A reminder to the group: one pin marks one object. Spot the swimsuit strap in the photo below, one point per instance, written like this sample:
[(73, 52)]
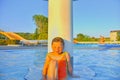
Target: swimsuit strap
[(58, 58), (65, 53)]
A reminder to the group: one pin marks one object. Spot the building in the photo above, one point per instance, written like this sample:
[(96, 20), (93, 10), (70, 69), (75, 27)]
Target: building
[(115, 35)]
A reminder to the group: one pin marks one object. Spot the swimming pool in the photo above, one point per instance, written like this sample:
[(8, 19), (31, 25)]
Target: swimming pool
[(97, 63)]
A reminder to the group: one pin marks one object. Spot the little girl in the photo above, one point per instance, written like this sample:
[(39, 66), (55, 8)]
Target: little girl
[(57, 62)]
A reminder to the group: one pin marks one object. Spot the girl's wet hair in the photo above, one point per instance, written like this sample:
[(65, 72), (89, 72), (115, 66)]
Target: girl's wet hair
[(58, 39)]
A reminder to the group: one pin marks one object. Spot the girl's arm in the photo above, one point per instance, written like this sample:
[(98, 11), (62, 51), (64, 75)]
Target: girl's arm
[(45, 68), (69, 64), (70, 69), (44, 77)]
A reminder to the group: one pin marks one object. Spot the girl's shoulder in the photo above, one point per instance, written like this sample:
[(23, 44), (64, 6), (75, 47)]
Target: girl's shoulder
[(65, 53), (52, 54), (49, 54)]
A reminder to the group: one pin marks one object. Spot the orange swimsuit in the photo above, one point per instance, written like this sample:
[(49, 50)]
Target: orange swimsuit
[(61, 63)]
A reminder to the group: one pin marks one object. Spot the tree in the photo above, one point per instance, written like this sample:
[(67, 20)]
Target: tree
[(118, 36), (80, 37), (36, 34), (42, 26)]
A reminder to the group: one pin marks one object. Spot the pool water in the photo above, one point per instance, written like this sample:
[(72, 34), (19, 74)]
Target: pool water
[(89, 64)]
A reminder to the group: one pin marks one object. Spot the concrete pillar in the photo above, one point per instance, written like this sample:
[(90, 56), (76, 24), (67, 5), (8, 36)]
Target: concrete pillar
[(60, 22)]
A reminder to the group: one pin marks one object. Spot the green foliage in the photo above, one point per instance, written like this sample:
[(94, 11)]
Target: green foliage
[(82, 37), (43, 36), (2, 36), (107, 39), (36, 34), (13, 41), (118, 37), (3, 42), (41, 31), (29, 36), (8, 41)]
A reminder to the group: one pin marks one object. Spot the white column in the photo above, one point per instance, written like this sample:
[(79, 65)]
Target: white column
[(60, 22)]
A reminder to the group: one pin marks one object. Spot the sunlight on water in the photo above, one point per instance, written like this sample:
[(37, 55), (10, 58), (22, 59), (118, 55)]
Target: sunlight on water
[(89, 64)]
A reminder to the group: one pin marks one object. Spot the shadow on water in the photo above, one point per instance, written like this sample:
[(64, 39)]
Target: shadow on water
[(108, 46)]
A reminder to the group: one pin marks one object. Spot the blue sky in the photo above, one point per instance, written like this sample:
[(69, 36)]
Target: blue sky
[(90, 17)]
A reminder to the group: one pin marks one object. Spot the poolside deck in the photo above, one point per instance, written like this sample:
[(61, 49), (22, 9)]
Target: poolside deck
[(107, 42), (20, 47)]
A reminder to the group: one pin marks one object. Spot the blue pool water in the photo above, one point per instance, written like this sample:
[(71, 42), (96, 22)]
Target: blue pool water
[(90, 62)]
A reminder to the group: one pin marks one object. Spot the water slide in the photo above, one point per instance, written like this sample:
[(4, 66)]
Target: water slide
[(12, 36)]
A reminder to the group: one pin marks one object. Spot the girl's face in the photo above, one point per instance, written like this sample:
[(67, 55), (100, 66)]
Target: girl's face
[(57, 47)]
